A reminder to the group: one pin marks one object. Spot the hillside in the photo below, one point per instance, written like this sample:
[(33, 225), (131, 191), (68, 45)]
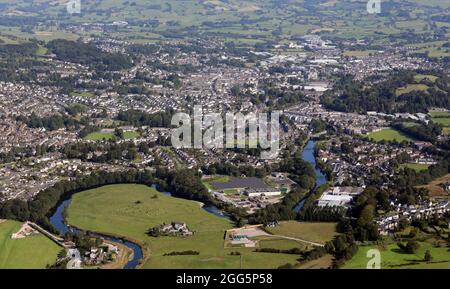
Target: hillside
[(247, 22)]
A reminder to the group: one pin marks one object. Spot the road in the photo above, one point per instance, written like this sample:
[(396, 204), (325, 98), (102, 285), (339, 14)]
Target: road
[(58, 240)]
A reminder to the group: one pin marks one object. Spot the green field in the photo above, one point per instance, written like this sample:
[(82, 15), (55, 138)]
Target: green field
[(81, 93), (420, 77), (313, 232), (114, 210), (434, 49), (358, 53), (388, 134), (41, 51), (230, 191), (446, 131), (410, 88), (393, 258), (244, 21), (439, 114), (416, 167), (445, 121), (128, 135), (443, 118), (278, 243), (34, 252)]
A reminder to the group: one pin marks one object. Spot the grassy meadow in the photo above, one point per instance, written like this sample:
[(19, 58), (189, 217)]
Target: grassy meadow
[(416, 167), (394, 258), (128, 135), (389, 134), (410, 88), (115, 210), (442, 118), (246, 22), (308, 231), (33, 252)]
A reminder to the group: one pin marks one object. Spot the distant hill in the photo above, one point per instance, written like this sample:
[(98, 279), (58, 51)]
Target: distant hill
[(245, 21)]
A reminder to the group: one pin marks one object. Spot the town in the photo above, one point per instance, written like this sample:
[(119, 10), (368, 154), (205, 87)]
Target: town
[(87, 161)]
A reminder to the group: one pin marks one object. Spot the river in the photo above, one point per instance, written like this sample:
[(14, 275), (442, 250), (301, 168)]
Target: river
[(321, 179), (58, 221)]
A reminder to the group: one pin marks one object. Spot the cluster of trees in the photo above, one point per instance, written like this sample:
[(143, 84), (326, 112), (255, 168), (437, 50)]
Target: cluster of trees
[(322, 214), (19, 69), (76, 109), (425, 132), (18, 50), (112, 151), (182, 253), (420, 101), (314, 254), (84, 241), (280, 211), (51, 123), (318, 125), (364, 213), (299, 170), (85, 131), (411, 247), (141, 118), (294, 251), (277, 98), (355, 96), (236, 171), (25, 152), (409, 177), (38, 208), (185, 184), (343, 247), (86, 54)]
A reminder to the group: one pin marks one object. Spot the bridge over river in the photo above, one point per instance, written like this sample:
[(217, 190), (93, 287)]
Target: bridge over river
[(58, 240)]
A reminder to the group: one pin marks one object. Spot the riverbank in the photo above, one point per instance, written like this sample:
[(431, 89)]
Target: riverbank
[(139, 251), (131, 210), (309, 156)]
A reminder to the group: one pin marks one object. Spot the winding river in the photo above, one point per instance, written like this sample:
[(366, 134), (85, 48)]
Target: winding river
[(59, 222), (321, 179)]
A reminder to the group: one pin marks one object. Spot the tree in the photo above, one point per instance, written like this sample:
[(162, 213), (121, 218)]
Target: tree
[(428, 257), (403, 224), (240, 223), (119, 133), (367, 215), (318, 125), (412, 247)]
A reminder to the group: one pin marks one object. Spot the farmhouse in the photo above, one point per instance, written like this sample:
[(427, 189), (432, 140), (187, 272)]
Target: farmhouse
[(173, 229)]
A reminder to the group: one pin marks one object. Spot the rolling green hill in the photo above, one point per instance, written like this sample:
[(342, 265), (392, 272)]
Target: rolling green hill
[(244, 21)]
